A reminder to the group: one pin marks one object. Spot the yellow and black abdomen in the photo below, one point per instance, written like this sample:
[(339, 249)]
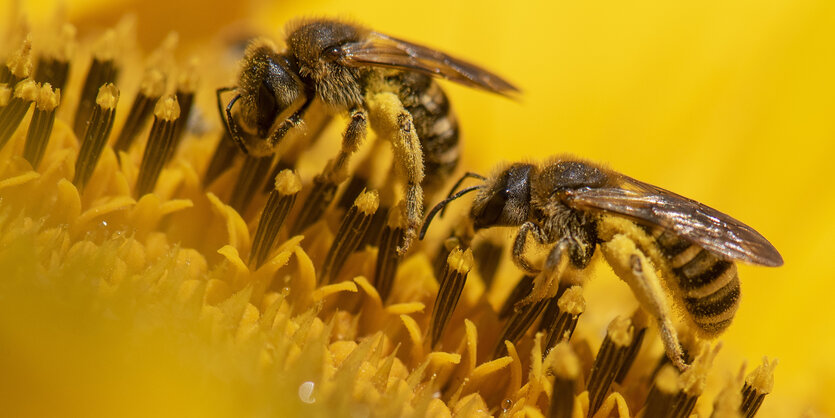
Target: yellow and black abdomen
[(707, 285), (436, 127)]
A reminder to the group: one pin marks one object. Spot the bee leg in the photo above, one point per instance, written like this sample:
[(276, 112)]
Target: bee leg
[(291, 122), (633, 267), (389, 118), (336, 170), (521, 243), (325, 184), (546, 284)]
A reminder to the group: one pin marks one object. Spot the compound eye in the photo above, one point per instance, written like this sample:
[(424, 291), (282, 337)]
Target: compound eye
[(493, 209), (332, 53)]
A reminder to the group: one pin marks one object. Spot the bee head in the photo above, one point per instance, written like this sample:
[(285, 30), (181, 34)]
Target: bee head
[(504, 200), (268, 85)]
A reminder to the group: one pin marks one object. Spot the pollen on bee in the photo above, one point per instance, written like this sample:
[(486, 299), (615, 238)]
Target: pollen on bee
[(96, 135), (280, 202)]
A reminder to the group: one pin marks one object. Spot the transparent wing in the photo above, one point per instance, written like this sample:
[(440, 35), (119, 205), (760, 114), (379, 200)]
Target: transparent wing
[(704, 226), (381, 50)]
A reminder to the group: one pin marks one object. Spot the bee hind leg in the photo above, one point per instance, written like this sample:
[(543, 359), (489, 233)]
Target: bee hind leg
[(391, 119), (633, 267)]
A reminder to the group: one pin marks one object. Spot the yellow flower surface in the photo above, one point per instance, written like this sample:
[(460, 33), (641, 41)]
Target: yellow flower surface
[(114, 304)]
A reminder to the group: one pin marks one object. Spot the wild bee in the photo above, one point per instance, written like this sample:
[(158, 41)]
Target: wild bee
[(371, 76), (575, 206)]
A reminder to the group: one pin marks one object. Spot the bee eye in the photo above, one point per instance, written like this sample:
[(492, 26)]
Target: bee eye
[(493, 209), (332, 53)]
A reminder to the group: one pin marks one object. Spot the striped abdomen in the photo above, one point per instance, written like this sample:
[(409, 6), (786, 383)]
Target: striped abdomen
[(436, 127), (708, 286)]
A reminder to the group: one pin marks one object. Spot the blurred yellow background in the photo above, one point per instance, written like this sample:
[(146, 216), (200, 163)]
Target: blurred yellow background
[(728, 103)]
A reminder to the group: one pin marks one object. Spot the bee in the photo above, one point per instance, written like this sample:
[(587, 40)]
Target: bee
[(575, 206), (373, 77)]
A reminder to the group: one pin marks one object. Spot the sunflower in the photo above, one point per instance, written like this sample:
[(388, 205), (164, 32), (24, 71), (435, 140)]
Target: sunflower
[(152, 269)]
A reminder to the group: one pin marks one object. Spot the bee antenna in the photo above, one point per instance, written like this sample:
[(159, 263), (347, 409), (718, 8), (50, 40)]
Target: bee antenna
[(467, 175), (440, 206)]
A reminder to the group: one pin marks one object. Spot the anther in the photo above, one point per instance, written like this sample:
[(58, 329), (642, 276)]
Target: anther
[(561, 316), (222, 159), (757, 384), (639, 321), (454, 276), (610, 359), (566, 369), (320, 197), (517, 324), (253, 172), (160, 140), (674, 395), (350, 233), (102, 70), (150, 90), (279, 203), (186, 86), (54, 63), (96, 134), (40, 128), (387, 257), (18, 65), (25, 92)]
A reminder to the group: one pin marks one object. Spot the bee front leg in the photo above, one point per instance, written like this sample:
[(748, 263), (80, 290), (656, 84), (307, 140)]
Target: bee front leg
[(390, 118), (520, 244), (633, 267)]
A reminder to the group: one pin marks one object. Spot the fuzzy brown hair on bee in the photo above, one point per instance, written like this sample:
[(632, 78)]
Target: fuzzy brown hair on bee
[(372, 77), (575, 207)]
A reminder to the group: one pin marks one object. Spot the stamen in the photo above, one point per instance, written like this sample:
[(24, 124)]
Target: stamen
[(388, 259), (317, 201), (25, 92), (488, 255), (523, 288), (566, 368), (40, 128), (54, 63), (102, 70), (186, 86), (222, 159), (520, 320), (639, 321), (610, 359), (457, 266), (158, 145), (675, 395), (662, 397), (96, 134), (349, 235), (151, 89), (287, 186), (253, 172), (757, 384), (19, 65), (561, 316)]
